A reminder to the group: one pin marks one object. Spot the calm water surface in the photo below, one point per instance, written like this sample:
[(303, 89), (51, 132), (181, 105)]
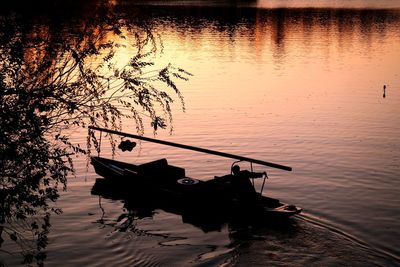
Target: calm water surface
[(300, 87)]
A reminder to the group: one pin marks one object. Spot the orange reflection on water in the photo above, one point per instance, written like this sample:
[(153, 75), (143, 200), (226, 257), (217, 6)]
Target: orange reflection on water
[(298, 87), (286, 56), (291, 78)]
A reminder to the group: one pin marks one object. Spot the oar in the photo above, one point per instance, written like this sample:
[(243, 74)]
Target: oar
[(198, 149)]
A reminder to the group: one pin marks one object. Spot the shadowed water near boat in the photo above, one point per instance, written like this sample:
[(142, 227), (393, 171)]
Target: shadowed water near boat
[(230, 197), (253, 240)]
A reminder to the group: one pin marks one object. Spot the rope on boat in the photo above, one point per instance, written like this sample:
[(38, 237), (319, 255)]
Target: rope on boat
[(262, 187)]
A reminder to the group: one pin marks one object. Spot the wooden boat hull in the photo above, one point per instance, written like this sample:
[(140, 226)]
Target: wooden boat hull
[(166, 187)]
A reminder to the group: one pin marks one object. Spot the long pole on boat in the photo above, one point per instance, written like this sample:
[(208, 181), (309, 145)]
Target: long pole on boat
[(198, 149)]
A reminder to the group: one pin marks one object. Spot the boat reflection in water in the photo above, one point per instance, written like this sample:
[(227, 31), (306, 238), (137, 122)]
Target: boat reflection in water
[(206, 215)]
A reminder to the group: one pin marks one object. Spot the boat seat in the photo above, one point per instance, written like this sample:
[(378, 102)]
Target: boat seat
[(161, 168), (160, 163), (175, 172)]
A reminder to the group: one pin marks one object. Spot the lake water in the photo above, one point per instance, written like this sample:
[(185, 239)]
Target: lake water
[(277, 81)]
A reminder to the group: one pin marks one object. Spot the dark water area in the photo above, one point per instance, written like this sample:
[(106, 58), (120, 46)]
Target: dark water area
[(312, 86)]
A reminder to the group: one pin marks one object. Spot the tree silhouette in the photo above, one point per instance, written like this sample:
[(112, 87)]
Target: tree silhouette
[(57, 73)]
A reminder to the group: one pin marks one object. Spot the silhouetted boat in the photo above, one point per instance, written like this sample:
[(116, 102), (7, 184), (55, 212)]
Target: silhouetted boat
[(168, 187)]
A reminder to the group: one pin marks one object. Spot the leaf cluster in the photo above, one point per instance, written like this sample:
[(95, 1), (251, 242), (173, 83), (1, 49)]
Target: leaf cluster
[(52, 80)]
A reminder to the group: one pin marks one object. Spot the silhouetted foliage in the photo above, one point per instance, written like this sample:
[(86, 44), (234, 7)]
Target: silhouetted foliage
[(57, 74)]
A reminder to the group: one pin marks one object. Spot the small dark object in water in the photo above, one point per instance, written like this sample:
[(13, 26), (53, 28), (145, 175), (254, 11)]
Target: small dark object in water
[(126, 145), (384, 90)]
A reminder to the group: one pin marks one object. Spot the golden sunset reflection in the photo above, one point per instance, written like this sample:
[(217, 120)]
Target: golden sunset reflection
[(277, 58), (125, 121), (299, 87), (284, 76)]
